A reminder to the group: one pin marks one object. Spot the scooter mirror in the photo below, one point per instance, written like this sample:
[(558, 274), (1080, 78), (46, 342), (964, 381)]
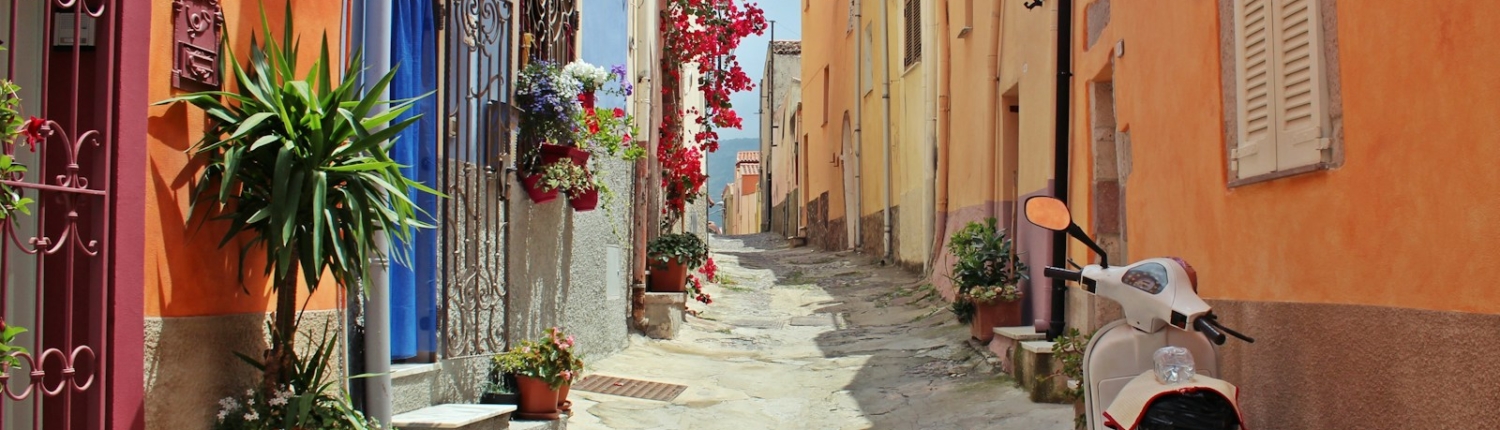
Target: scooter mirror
[(1049, 213)]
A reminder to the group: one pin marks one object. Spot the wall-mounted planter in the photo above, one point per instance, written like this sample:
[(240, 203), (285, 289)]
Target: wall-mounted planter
[(533, 186), (554, 153), (584, 201)]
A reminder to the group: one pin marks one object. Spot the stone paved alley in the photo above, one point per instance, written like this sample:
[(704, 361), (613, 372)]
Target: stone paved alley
[(803, 339)]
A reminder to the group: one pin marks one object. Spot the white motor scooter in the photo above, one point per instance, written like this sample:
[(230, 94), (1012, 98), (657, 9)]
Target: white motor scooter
[(1135, 379)]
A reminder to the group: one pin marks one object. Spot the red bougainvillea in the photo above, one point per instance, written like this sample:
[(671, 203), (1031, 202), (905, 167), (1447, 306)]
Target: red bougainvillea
[(704, 33)]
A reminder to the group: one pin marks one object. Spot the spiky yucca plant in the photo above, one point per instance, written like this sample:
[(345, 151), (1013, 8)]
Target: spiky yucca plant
[(302, 166)]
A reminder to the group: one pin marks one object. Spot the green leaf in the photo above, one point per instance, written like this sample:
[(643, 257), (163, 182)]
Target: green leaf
[(361, 167)]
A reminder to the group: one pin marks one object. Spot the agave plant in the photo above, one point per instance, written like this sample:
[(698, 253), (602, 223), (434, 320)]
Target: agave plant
[(302, 166)]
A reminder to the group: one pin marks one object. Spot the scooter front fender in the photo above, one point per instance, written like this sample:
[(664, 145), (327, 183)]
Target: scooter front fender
[(1119, 353)]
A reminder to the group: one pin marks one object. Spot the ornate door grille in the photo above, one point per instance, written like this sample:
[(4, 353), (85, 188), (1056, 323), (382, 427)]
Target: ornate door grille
[(53, 261), (474, 156), (553, 27)]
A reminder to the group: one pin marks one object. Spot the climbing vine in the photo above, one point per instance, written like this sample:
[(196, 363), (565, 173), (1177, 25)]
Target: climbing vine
[(703, 33)]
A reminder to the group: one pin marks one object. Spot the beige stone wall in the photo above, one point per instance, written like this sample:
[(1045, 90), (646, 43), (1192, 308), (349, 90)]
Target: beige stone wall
[(190, 362)]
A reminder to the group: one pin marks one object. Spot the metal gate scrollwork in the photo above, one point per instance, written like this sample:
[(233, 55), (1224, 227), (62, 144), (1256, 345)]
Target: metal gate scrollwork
[(474, 153)]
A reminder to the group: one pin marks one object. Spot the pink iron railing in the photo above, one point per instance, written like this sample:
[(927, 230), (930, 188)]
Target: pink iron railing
[(52, 262)]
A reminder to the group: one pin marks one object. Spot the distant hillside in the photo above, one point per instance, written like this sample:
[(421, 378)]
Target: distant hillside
[(721, 170)]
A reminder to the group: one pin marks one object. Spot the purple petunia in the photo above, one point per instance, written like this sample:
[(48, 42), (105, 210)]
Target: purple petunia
[(618, 70)]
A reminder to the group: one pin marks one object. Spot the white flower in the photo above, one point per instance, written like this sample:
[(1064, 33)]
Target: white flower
[(252, 416), (250, 401), (250, 392), (222, 415), (228, 403), (587, 74), (276, 401)]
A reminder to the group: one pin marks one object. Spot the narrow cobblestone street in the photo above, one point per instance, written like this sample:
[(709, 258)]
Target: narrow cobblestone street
[(803, 339)]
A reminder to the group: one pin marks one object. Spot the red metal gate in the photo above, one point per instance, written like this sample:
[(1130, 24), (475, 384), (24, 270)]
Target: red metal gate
[(53, 261)]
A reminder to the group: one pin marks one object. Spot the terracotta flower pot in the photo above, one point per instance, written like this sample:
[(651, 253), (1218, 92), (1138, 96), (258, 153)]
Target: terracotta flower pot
[(562, 399), (987, 316), (533, 186), (538, 400), (668, 277), (584, 201)]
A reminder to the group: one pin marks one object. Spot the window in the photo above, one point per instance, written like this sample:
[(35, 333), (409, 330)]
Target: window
[(913, 30), (1281, 94), (825, 95)]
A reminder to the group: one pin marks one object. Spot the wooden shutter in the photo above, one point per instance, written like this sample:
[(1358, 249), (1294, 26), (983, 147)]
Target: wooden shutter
[(1301, 102), (1255, 153), (913, 27)]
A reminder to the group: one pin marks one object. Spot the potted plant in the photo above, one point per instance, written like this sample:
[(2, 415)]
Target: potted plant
[(303, 166), (580, 185), (542, 369), (672, 256), (498, 388), (545, 98), (1069, 349), (988, 275), (311, 398)]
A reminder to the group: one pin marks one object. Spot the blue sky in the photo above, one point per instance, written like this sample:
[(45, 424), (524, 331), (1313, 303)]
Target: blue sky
[(752, 56)]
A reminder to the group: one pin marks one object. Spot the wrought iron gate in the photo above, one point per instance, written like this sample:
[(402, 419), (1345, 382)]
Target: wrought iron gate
[(52, 261), (474, 156)]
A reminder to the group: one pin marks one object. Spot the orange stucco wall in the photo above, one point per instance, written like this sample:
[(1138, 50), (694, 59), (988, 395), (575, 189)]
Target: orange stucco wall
[(1408, 220), (186, 272), (827, 45)]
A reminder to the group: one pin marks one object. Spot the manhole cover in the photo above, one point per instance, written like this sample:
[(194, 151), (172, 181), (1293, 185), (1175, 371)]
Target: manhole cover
[(630, 388)]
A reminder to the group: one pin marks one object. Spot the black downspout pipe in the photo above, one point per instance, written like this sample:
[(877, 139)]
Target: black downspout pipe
[(1060, 159)]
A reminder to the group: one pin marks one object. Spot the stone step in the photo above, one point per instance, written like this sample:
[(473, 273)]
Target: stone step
[(1035, 365), (456, 416), (1007, 340), (411, 386), (561, 424), (1021, 333)]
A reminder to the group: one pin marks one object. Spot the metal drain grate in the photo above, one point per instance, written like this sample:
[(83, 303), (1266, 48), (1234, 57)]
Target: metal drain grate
[(630, 388)]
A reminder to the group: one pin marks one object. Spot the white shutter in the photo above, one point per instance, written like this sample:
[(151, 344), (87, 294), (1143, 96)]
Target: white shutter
[(1256, 151), (1301, 102)]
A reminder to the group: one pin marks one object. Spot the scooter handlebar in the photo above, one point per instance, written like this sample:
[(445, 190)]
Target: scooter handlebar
[(1207, 327), (1061, 273)]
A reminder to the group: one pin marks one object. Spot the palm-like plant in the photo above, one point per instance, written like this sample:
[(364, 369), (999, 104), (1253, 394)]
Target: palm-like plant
[(304, 166)]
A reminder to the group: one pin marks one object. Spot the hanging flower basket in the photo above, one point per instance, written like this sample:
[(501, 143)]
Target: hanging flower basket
[(553, 153), (584, 201), (533, 186)]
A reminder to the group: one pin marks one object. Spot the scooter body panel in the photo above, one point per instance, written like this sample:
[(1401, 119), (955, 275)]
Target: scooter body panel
[(1118, 353)]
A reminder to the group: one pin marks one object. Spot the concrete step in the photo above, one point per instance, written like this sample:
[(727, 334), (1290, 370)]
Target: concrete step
[(561, 424), (456, 416), (1007, 340), (411, 386), (1035, 365)]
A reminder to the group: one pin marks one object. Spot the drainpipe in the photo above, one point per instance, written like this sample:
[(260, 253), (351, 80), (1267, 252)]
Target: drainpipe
[(944, 118), (859, 118), (1060, 157), (885, 95), (992, 186), (377, 48), (768, 168)]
